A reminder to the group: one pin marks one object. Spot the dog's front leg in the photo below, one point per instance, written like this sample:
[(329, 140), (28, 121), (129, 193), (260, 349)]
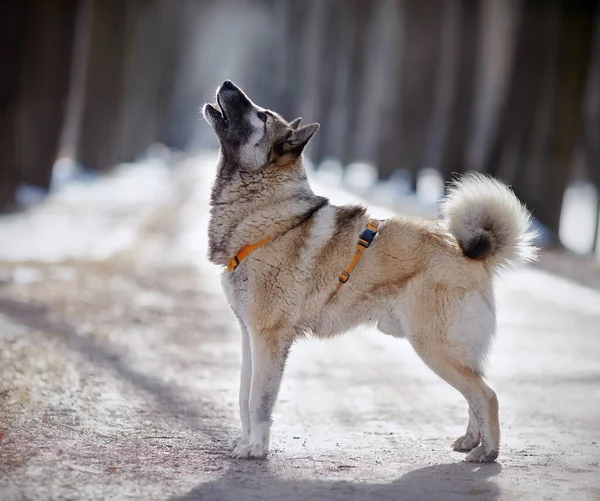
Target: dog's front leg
[(269, 353), (245, 378)]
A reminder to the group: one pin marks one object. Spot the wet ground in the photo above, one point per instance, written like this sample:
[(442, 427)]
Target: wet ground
[(119, 366)]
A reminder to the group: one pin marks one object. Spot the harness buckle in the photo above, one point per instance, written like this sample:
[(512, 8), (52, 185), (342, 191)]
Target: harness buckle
[(366, 237)]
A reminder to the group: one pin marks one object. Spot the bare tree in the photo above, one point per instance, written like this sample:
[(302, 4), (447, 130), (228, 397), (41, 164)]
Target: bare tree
[(380, 116), (12, 28), (539, 126), (44, 85), (420, 47), (456, 86), (140, 79), (356, 32), (98, 142), (591, 128)]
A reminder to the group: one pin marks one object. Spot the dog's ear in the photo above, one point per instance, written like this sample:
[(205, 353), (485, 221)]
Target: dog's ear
[(296, 140), (294, 124)]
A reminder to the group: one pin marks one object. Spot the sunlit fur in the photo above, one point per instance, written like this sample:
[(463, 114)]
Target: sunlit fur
[(415, 281), (480, 207)]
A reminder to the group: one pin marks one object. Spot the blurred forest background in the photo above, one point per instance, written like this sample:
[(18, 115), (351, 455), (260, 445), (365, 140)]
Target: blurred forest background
[(508, 87)]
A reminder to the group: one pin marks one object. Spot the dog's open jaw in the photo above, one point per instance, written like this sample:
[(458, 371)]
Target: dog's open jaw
[(215, 113), (250, 136)]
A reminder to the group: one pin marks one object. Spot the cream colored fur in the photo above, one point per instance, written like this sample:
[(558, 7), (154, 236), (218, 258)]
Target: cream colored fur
[(428, 281), (479, 206), (414, 281)]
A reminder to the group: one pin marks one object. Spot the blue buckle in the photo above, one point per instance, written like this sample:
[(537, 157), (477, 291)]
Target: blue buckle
[(366, 237)]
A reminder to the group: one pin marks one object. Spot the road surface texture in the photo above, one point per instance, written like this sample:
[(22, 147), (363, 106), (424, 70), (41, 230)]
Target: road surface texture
[(119, 370)]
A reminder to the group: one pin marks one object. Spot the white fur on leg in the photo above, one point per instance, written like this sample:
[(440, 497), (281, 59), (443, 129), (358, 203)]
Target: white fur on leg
[(471, 438), (485, 406), (267, 369), (245, 380), (258, 446), (481, 454)]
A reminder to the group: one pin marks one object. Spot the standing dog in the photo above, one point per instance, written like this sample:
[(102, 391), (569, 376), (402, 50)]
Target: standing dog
[(428, 281)]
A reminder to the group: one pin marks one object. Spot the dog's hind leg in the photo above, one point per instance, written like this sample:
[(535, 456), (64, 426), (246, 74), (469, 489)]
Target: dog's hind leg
[(482, 400), (472, 436), (269, 353), (452, 342), (244, 397)]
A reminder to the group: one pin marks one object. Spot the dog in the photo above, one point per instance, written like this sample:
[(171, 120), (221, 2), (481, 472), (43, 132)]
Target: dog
[(289, 254)]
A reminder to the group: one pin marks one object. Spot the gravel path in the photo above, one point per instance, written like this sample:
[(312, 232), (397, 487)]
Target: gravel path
[(119, 370)]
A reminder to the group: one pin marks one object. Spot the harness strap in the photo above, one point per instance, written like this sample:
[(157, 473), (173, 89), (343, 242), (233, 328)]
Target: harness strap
[(244, 253), (364, 240)]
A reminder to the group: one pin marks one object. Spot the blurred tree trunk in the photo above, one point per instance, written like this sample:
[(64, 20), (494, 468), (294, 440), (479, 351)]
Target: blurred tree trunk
[(328, 55), (361, 14), (497, 37), (457, 85), (412, 81), (12, 27), (178, 52), (98, 141), (591, 127), (387, 87), (577, 29), (139, 127), (539, 126), (44, 87), (420, 49), (171, 39), (293, 23), (343, 36), (525, 159), (311, 61)]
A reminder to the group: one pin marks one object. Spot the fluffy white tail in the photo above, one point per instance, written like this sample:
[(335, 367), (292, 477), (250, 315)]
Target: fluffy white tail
[(489, 221)]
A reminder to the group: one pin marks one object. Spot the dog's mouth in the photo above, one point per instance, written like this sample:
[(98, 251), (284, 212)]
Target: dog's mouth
[(216, 113), (222, 110)]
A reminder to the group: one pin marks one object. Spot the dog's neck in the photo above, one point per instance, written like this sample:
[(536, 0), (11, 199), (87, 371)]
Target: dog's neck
[(247, 207)]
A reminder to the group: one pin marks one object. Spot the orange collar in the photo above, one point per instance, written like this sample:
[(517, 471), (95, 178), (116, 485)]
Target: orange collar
[(364, 240), (243, 253)]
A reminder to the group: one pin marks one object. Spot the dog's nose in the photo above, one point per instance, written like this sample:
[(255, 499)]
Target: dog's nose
[(228, 84)]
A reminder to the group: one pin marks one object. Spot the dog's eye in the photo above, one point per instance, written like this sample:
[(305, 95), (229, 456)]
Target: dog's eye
[(262, 116)]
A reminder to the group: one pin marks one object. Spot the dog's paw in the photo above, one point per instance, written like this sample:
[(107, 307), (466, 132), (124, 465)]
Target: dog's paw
[(248, 450), (239, 440), (481, 455), (465, 443)]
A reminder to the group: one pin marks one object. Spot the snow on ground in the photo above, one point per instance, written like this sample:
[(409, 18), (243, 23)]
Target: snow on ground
[(119, 366), (90, 220)]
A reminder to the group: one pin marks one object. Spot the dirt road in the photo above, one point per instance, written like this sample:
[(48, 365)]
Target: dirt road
[(119, 370)]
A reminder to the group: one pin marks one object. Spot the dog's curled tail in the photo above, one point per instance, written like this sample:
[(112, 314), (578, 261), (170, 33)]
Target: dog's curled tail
[(489, 221)]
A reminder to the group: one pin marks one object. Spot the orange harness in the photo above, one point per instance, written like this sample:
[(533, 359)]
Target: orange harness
[(364, 241)]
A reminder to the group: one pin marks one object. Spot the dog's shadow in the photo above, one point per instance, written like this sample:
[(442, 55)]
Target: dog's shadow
[(267, 481)]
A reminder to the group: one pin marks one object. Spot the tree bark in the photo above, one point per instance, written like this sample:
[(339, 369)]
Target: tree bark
[(98, 141), (12, 28), (538, 130), (179, 90), (458, 110), (577, 26), (591, 128), (421, 46), (386, 87), (44, 86), (329, 69), (139, 127), (357, 30)]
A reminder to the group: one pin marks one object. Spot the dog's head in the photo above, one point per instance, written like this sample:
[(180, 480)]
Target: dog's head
[(250, 136)]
